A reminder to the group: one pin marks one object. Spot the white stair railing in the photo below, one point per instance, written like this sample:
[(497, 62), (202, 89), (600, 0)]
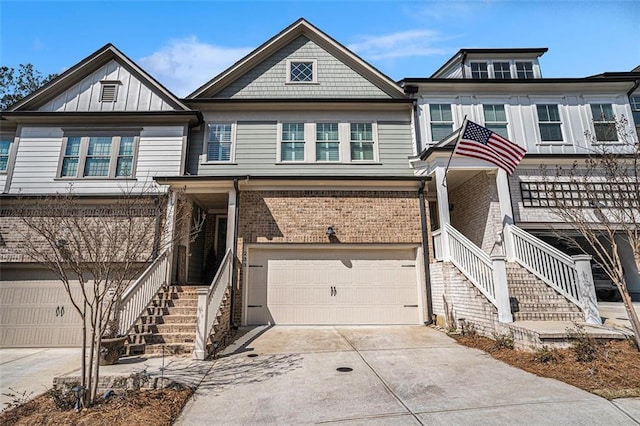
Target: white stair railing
[(487, 273), (209, 302), (472, 261), (138, 296), (568, 275)]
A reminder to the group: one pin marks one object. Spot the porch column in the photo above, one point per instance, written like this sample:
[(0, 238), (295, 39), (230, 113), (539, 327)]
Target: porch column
[(200, 350), (587, 289), (503, 302), (231, 218), (506, 212), (443, 210)]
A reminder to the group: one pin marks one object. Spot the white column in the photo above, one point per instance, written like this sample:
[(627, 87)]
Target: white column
[(231, 219), (587, 289), (443, 210), (501, 289), (200, 350), (506, 213)]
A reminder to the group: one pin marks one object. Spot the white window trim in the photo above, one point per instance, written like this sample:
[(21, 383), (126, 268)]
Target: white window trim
[(454, 120), (592, 120), (340, 142), (309, 151), (505, 105), (205, 144), (314, 75), (536, 120), (512, 67), (478, 62), (374, 135), (113, 162)]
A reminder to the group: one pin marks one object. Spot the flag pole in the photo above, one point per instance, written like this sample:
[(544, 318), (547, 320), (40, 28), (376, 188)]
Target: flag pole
[(446, 170)]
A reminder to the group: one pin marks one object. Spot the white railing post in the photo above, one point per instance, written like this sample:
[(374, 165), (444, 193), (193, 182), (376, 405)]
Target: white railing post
[(437, 244), (587, 289), (443, 211), (507, 238), (200, 351), (501, 290)]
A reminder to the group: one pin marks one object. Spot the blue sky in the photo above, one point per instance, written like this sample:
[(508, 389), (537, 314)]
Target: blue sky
[(185, 43)]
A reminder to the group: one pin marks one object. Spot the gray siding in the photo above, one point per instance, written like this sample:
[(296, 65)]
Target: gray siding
[(256, 154), (334, 78), (132, 95)]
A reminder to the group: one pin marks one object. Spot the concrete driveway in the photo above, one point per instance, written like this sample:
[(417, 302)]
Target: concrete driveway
[(391, 375), (31, 371)]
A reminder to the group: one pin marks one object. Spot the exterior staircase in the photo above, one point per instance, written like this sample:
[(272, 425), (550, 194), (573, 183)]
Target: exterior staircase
[(533, 300), (168, 325)]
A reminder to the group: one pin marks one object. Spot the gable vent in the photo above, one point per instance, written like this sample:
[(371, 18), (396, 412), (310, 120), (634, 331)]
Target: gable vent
[(108, 92)]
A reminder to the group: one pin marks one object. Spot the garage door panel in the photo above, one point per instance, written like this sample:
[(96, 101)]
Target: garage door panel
[(372, 286)]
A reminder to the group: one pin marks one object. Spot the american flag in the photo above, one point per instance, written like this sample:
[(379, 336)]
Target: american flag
[(479, 142)]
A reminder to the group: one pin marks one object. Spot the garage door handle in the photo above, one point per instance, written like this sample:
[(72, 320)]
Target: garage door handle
[(61, 311), (57, 311), (333, 291)]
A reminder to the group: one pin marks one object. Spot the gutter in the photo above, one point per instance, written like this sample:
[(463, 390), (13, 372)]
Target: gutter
[(234, 265), (425, 255)]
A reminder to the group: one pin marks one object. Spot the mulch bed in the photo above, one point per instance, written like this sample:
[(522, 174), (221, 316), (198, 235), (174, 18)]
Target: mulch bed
[(145, 407), (614, 373)]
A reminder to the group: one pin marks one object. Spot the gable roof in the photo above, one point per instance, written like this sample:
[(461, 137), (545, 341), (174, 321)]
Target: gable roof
[(82, 69), (461, 55), (301, 27)]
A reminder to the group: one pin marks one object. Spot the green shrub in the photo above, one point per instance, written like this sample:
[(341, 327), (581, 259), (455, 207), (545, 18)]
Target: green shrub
[(585, 347), (546, 354), (503, 340)]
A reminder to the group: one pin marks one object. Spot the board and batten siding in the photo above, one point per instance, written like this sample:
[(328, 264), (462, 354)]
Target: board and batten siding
[(269, 78), (132, 93), (256, 154), (522, 117), (38, 158)]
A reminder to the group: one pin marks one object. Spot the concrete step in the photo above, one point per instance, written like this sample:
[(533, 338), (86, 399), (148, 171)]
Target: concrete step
[(537, 298), (169, 349), (174, 310), (548, 316), (169, 303), (538, 307), (170, 338), (165, 328)]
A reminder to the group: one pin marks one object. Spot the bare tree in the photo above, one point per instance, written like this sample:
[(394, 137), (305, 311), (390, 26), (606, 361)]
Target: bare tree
[(101, 248), (600, 198)]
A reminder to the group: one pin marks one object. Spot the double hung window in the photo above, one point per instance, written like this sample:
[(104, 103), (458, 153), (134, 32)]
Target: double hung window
[(524, 69), (495, 119), (327, 142), (549, 123), (361, 142), (220, 141), (604, 122), (292, 148), (479, 70), (502, 70), (441, 121)]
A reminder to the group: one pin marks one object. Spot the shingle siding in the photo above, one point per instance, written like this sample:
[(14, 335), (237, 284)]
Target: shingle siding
[(269, 79)]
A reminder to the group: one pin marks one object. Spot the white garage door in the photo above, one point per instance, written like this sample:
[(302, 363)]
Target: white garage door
[(332, 286), (37, 314)]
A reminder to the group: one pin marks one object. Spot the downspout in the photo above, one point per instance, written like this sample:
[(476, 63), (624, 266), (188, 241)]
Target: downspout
[(190, 128), (417, 127), (234, 264), (425, 254), (633, 89)]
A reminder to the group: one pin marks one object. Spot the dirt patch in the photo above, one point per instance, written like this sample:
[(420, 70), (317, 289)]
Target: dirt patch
[(613, 373), (152, 407)]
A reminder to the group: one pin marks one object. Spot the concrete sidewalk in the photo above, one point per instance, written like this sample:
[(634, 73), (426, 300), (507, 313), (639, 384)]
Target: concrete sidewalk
[(390, 375)]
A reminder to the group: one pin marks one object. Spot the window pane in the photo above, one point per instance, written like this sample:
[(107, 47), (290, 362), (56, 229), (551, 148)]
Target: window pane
[(99, 146), (440, 112), (220, 132), (606, 132), (501, 70), (327, 132), (4, 147), (602, 112), (327, 151), (550, 132), (73, 146), (361, 151), (96, 166), (440, 131), (125, 166), (219, 151), (301, 71), (293, 131), (524, 69), (292, 151), (70, 166), (500, 129), (479, 70), (126, 146), (635, 103), (361, 132)]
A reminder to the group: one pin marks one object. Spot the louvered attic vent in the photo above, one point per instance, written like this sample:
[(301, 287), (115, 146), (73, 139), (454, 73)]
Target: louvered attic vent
[(109, 91)]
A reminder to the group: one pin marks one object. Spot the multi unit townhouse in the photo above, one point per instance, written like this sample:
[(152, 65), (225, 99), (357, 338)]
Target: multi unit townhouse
[(323, 187)]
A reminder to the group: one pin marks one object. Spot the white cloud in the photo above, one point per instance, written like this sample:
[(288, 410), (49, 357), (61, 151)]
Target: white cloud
[(397, 45), (185, 64)]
